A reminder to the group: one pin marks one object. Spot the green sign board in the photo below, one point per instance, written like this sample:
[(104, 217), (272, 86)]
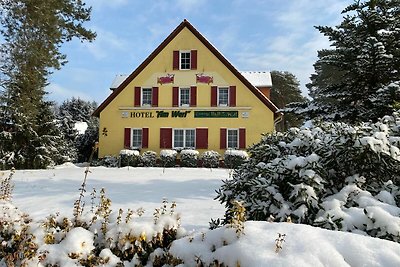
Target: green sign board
[(216, 114)]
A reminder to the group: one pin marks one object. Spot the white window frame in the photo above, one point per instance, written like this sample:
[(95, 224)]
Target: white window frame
[(180, 59), (132, 137), (180, 99), (237, 138), (184, 138), (142, 98), (218, 96)]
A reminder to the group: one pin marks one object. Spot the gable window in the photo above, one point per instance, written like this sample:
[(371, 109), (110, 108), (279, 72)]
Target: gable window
[(184, 59), (146, 96), (223, 96), (232, 138), (184, 138), (184, 97)]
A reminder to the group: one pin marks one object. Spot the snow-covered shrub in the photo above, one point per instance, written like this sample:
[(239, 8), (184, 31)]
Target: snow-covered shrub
[(210, 159), (332, 175), (234, 158), (109, 161), (168, 158), (189, 157), (149, 158), (129, 157)]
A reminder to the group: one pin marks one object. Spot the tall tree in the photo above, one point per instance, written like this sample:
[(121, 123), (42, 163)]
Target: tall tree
[(358, 79), (286, 90), (33, 32)]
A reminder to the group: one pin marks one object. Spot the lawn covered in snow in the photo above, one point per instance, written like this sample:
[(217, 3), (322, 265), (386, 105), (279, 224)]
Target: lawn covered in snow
[(41, 192)]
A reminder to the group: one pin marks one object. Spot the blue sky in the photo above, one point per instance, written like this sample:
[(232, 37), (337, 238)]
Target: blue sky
[(254, 35)]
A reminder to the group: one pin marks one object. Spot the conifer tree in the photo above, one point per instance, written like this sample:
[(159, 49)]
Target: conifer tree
[(33, 32), (358, 79), (285, 90)]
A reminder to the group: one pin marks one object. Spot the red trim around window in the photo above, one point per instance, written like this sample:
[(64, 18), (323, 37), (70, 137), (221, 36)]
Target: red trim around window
[(242, 138), (165, 137), (193, 96), (127, 138), (213, 96), (145, 137), (222, 138), (201, 138), (175, 60), (193, 59), (232, 96), (154, 97), (138, 93)]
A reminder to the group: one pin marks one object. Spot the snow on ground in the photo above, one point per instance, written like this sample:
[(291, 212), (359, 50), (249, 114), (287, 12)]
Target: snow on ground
[(41, 192)]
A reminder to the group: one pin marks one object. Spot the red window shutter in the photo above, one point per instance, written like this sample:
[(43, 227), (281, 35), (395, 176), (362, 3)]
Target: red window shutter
[(242, 138), (154, 97), (232, 96), (193, 96), (127, 138), (165, 137), (202, 138), (145, 137), (213, 96), (175, 60), (193, 59), (175, 96), (222, 138), (137, 96)]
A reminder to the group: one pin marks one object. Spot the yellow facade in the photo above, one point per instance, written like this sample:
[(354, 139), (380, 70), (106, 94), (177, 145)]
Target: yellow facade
[(118, 111)]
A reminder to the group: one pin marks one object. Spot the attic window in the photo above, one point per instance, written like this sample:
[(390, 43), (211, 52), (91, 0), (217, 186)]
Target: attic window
[(184, 59)]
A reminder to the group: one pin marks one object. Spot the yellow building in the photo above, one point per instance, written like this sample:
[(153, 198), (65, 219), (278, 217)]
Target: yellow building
[(186, 94)]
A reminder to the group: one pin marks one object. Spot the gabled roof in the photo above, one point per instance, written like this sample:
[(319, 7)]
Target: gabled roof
[(258, 78), (206, 43)]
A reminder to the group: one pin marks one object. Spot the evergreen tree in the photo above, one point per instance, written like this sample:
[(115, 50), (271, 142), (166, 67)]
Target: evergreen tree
[(71, 112), (285, 90), (33, 31), (359, 78)]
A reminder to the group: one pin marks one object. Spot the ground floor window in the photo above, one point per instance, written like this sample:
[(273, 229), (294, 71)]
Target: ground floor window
[(184, 138), (232, 138), (136, 138)]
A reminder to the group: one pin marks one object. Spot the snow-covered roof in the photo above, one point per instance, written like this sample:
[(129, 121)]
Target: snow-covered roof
[(258, 78), (118, 80)]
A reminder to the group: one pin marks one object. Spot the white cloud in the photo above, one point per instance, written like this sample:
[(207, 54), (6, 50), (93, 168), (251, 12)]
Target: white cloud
[(59, 93)]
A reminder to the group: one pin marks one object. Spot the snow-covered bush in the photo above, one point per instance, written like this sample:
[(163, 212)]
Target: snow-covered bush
[(210, 159), (168, 158), (332, 175), (189, 157), (234, 158), (149, 158), (109, 161), (129, 157)]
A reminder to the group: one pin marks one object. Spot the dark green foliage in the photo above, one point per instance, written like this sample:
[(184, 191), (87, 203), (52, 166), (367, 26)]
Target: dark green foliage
[(189, 158), (168, 158), (210, 159), (149, 159), (285, 90), (130, 158), (359, 78), (33, 32), (234, 158)]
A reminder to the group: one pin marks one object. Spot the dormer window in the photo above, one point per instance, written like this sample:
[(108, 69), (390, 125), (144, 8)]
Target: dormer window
[(184, 60)]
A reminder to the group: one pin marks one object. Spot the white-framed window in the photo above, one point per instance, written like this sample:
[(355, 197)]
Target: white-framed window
[(184, 138), (232, 138), (146, 96), (184, 97), (136, 138), (184, 60), (223, 96)]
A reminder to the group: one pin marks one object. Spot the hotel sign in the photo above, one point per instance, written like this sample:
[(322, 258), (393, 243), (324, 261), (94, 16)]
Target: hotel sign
[(216, 114)]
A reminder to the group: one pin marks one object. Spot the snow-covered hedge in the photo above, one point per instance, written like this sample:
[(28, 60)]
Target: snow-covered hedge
[(210, 159), (129, 157), (332, 175), (234, 158), (189, 157), (149, 158), (168, 158)]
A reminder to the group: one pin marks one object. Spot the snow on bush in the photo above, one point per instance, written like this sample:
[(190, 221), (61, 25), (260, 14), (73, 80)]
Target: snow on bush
[(129, 157), (189, 157), (149, 158), (210, 159), (168, 157), (234, 158), (331, 175)]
